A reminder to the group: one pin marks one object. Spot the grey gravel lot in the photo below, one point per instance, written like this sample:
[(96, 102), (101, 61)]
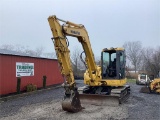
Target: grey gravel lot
[(46, 105)]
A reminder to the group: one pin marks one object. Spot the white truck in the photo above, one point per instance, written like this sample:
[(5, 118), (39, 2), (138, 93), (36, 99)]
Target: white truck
[(142, 79)]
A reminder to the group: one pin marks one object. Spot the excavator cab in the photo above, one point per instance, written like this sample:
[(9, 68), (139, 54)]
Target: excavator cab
[(113, 63)]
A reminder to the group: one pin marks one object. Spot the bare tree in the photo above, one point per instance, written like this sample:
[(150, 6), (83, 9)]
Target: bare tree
[(134, 53), (24, 50), (19, 48), (151, 60), (98, 60), (77, 64), (7, 47), (29, 52), (50, 55), (39, 51)]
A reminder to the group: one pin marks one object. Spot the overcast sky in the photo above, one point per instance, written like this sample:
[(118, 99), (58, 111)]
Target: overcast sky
[(109, 23)]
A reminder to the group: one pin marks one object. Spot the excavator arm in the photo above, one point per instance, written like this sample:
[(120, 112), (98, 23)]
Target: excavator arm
[(79, 31), (71, 100)]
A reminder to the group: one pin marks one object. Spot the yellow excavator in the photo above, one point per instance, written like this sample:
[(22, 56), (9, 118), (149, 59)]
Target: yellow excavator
[(105, 84), (152, 85)]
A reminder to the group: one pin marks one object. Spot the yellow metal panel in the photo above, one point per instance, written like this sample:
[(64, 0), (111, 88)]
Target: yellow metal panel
[(116, 82)]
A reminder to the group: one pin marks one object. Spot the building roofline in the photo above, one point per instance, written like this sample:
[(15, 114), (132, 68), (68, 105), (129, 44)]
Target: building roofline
[(10, 54)]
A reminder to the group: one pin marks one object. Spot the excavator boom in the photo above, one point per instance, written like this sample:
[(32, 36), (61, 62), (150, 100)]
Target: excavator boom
[(63, 54), (71, 102)]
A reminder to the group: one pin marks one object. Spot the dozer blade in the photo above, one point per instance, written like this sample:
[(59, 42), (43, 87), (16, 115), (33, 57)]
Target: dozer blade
[(117, 96), (99, 100), (71, 103), (144, 90)]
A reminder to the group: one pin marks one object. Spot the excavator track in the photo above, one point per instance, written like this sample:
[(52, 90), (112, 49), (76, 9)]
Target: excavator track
[(122, 92), (117, 96)]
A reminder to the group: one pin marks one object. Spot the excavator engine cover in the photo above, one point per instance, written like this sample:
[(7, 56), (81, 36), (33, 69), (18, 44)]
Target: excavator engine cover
[(71, 103)]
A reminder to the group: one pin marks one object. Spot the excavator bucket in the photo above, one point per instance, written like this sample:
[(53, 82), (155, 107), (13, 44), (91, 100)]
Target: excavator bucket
[(145, 90), (99, 100), (71, 103)]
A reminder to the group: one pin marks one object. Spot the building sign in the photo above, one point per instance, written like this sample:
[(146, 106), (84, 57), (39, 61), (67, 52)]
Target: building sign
[(24, 69)]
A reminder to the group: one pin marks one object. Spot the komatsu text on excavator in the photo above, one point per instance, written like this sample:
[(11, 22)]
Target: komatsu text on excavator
[(105, 84)]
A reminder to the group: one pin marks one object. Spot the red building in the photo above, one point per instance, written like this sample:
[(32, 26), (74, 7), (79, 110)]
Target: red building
[(30, 69)]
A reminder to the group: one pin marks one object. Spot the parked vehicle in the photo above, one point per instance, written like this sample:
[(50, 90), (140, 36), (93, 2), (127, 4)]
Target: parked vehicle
[(153, 85), (142, 79)]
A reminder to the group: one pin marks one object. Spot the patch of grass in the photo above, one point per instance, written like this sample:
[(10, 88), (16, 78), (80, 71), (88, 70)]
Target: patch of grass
[(131, 80)]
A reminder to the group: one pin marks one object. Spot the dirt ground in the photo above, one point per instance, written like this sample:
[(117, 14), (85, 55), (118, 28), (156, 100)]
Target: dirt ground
[(46, 105)]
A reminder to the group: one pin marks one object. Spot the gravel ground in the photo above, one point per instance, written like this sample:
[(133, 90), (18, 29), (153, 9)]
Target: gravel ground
[(46, 105)]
